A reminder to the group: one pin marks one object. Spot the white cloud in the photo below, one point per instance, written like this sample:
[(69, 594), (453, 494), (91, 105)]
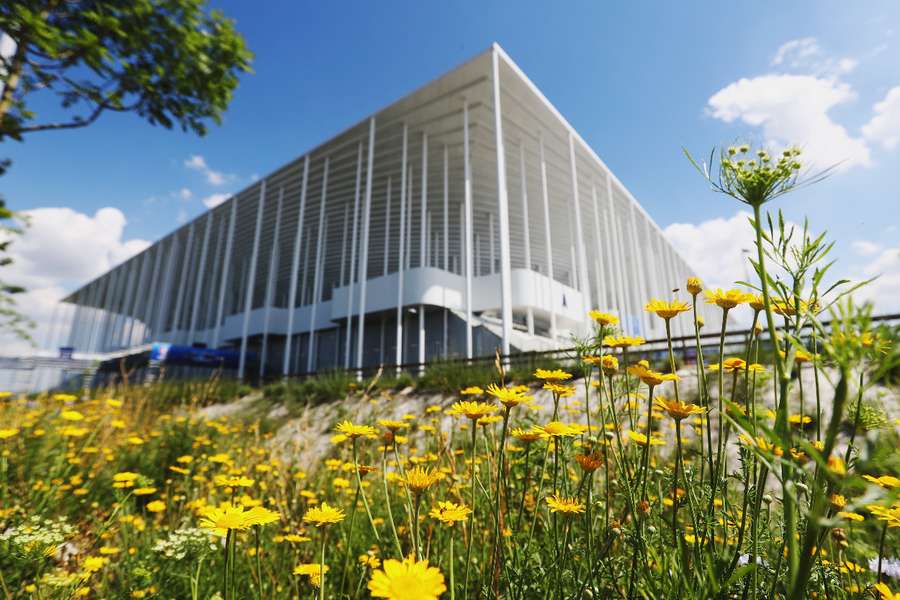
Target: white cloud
[(884, 127), (185, 194), (196, 162), (793, 109), (213, 200), (884, 292), (796, 50), (865, 247), (61, 250), (716, 248)]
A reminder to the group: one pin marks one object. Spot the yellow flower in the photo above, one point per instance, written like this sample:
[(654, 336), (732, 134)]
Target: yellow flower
[(258, 515), (354, 431), (552, 375), (508, 397), (312, 570), (641, 440), (393, 426), (694, 286), (589, 462), (622, 341), (144, 491), (450, 512), (852, 516), (563, 391), (678, 410), (231, 517), (407, 580), (419, 479), (666, 310), (8, 432), (526, 436), (555, 429), (730, 365), (756, 302), (557, 503), (885, 592), (232, 481), (727, 300), (71, 415), (472, 390), (609, 364), (324, 515), (885, 481), (472, 410), (369, 560), (602, 318), (157, 506)]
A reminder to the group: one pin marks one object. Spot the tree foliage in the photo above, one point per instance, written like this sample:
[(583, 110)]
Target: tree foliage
[(169, 61)]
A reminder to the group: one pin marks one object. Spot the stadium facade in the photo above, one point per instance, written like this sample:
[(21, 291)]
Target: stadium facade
[(465, 217)]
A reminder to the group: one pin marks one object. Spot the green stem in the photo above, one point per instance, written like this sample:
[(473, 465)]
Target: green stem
[(471, 514), (322, 567)]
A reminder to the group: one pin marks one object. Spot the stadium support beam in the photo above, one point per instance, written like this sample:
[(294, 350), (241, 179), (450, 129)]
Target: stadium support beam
[(251, 278), (584, 283), (270, 285), (201, 274), (387, 229), (598, 248), (353, 245), (140, 292), (226, 265), (317, 276), (402, 241), (423, 245), (548, 238), (168, 276), (467, 168), (502, 209), (445, 338), (148, 304), (295, 268), (363, 269), (182, 284), (529, 315)]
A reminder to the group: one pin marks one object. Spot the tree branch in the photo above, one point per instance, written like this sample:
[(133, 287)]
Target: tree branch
[(73, 124)]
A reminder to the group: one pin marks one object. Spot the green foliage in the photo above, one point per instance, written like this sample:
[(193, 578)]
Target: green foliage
[(169, 61), (11, 320)]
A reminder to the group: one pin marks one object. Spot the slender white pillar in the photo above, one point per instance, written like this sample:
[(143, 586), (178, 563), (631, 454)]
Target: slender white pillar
[(226, 264), (583, 281), (251, 278), (423, 242), (502, 211), (343, 276), (467, 168), (401, 264), (295, 266), (305, 261), (182, 285), (548, 239), (641, 271), (526, 225), (139, 293), (218, 274), (317, 276), (618, 250), (147, 318), (492, 244), (598, 244), (168, 276), (446, 240), (201, 275), (387, 227), (356, 198), (363, 269), (270, 285)]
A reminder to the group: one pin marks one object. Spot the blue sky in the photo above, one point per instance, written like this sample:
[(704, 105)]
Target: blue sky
[(637, 80)]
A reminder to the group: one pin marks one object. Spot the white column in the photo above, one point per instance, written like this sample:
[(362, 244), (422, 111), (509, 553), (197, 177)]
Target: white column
[(140, 292), (502, 212), (168, 275), (657, 283), (218, 274), (147, 317), (251, 278), (387, 227), (640, 271), (423, 241), (598, 244), (305, 276), (349, 332), (529, 315), (401, 264), (226, 264), (492, 244), (583, 281), (619, 266), (201, 274), (344, 248), (548, 239), (363, 269), (270, 285), (295, 266), (467, 167), (317, 276), (446, 251), (121, 321), (182, 284)]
